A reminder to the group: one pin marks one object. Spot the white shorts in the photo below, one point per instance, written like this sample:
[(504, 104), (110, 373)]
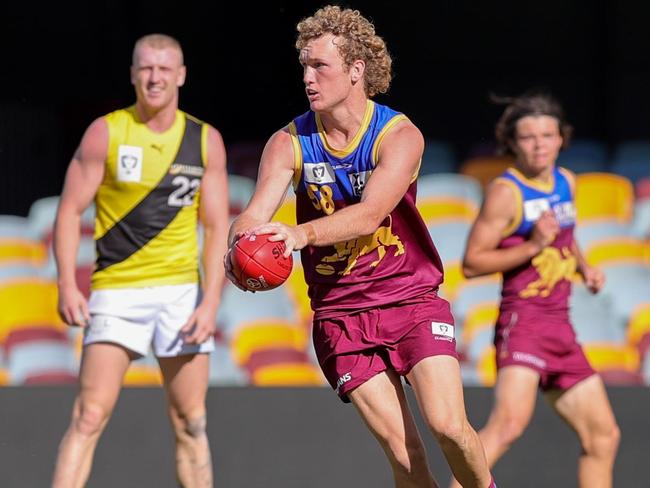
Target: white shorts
[(137, 318)]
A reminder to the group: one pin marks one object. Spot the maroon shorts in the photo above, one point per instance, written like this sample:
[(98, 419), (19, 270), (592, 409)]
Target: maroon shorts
[(353, 348), (544, 343)]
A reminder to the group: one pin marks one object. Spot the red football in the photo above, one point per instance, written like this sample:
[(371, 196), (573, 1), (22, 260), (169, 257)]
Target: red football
[(259, 264)]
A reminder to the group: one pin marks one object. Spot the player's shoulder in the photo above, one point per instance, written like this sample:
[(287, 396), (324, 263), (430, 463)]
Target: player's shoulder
[(502, 188)]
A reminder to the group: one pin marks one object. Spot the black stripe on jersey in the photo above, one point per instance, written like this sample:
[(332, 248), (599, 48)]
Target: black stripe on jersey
[(153, 214)]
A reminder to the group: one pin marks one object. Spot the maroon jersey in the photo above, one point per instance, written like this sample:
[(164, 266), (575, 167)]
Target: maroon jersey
[(396, 263), (543, 283)]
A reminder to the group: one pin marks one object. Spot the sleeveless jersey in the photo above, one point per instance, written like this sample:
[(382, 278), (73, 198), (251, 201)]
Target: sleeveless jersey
[(396, 263), (544, 283), (147, 204)]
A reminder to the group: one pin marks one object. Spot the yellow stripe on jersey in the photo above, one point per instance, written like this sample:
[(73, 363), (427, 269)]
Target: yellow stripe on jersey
[(346, 151), (297, 155)]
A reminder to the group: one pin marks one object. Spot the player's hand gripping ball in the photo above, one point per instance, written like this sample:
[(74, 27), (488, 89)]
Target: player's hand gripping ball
[(259, 264)]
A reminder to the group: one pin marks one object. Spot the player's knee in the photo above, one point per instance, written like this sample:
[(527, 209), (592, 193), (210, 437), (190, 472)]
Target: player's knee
[(604, 442), (195, 426), (452, 430), (90, 418), (510, 429)]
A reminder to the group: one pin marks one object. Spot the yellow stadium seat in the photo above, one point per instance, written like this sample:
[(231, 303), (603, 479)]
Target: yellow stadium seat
[(4, 377), (486, 367), (142, 375), (434, 209), (22, 251), (485, 169), (454, 278), (604, 196), (479, 317), (287, 374), (638, 324), (266, 334), (605, 356), (26, 303), (297, 290), (618, 250)]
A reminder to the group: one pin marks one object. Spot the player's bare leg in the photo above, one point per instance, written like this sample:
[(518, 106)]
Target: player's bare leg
[(186, 382), (383, 407), (100, 378), (438, 388), (515, 394), (586, 408)]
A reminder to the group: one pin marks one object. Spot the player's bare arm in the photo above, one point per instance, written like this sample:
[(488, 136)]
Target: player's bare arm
[(213, 214), (593, 277), (398, 160), (482, 255), (83, 178), (275, 173)]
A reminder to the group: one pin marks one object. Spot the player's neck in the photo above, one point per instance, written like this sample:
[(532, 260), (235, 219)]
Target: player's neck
[(544, 176), (342, 123), (157, 119)]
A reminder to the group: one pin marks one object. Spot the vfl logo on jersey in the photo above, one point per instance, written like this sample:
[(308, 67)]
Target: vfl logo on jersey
[(552, 267), (129, 163), (319, 173), (533, 209), (353, 249), (358, 181), (442, 329)]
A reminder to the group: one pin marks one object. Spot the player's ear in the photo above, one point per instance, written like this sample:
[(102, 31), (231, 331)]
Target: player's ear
[(180, 80), (357, 70), (133, 75)]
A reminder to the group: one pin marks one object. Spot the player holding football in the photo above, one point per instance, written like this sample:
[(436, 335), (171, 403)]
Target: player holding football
[(525, 230), (153, 171), (372, 270)]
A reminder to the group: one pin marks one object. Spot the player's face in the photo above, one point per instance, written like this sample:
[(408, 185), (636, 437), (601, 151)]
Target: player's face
[(537, 142), (156, 75), (327, 80)]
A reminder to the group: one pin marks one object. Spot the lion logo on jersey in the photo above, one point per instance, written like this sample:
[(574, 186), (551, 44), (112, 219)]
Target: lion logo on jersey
[(552, 266), (353, 249)]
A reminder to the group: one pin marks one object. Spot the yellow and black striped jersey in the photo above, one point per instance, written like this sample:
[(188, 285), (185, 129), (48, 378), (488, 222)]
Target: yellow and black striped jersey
[(147, 204)]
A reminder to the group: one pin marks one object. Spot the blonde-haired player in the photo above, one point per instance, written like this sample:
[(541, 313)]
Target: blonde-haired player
[(153, 172)]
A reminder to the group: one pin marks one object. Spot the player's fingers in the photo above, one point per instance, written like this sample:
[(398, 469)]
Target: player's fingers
[(187, 327), (66, 315), (85, 312)]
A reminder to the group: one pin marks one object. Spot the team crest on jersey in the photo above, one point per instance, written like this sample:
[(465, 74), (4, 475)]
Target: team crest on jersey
[(319, 173), (129, 163), (358, 181), (533, 209)]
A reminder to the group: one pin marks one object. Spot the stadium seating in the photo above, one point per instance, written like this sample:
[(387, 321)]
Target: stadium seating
[(584, 156), (240, 191), (593, 232), (642, 188), (640, 226), (26, 302), (40, 356), (604, 196), (631, 159), (19, 243), (485, 169), (450, 185), (438, 157), (435, 209), (42, 214)]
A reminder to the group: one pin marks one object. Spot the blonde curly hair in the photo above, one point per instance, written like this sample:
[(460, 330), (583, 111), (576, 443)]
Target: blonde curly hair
[(361, 42)]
